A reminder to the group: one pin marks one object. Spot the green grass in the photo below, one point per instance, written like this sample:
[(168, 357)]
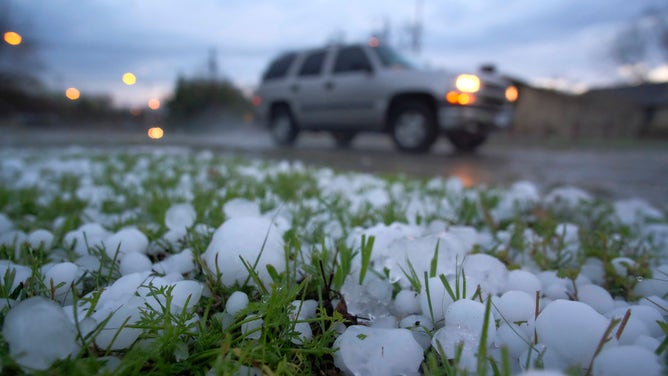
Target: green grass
[(137, 188)]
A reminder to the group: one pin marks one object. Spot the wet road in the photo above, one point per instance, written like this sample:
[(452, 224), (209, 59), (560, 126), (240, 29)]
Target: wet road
[(616, 173)]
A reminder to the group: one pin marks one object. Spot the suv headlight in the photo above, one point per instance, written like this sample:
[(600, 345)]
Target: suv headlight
[(467, 83)]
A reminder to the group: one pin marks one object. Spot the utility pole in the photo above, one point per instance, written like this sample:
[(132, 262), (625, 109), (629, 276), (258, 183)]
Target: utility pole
[(213, 64), (416, 28)]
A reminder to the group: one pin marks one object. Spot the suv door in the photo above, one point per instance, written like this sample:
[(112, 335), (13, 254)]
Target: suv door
[(354, 89), (308, 90)]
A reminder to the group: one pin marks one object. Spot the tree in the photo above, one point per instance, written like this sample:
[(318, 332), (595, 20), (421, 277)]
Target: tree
[(201, 96), (638, 45)]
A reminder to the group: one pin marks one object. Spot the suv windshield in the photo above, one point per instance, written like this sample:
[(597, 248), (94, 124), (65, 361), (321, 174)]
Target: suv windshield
[(391, 58)]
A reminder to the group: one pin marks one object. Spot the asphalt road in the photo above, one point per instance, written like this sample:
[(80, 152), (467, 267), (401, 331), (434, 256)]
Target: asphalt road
[(631, 170)]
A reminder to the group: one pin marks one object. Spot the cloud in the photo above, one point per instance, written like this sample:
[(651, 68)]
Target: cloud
[(91, 43)]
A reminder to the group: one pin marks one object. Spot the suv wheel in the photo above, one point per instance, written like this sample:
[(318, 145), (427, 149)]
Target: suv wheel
[(465, 141), (283, 127), (413, 127)]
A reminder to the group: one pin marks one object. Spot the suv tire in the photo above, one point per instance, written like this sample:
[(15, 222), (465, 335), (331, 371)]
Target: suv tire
[(413, 126), (283, 126)]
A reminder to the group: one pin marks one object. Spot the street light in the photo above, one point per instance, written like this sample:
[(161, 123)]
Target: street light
[(13, 38)]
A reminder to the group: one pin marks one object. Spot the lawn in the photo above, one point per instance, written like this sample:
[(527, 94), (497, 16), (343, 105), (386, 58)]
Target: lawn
[(172, 261)]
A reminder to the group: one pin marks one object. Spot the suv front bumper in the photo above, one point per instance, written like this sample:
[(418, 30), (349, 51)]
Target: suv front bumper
[(457, 117)]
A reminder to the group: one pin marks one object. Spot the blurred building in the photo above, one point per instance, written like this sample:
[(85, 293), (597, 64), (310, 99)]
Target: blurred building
[(619, 112)]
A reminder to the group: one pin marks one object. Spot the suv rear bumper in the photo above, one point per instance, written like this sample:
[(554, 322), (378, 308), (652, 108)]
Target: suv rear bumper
[(457, 117)]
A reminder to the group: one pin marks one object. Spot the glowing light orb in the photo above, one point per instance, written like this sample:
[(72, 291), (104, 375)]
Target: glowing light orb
[(155, 133), (72, 93), (154, 104), (129, 79), (13, 38)]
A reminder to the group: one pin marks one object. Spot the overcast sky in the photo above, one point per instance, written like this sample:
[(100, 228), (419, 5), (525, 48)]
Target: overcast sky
[(89, 44)]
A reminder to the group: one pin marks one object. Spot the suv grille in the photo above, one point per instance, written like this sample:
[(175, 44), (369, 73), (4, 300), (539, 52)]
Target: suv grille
[(492, 95)]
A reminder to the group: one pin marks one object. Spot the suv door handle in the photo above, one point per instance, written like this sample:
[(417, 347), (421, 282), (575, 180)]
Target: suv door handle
[(329, 85), (294, 88)]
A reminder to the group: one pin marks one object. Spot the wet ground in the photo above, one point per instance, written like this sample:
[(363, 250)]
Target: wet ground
[(624, 170)]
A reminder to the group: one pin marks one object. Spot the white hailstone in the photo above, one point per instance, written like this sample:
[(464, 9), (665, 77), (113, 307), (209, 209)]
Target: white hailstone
[(304, 309), (634, 329), (180, 216), (182, 263), (127, 240), (87, 236), (554, 287), (15, 239), (517, 338), (621, 265), (6, 225), (657, 285), (371, 299), (420, 326), (572, 329), (655, 302), (173, 277), (21, 272), (240, 207), (597, 297), (122, 288), (454, 185), (237, 302), (60, 277), (593, 269), (635, 211), (542, 372), (251, 327), (248, 238), (134, 263), (243, 371), (171, 239), (88, 263), (650, 343), (186, 294), (149, 290), (40, 239), (515, 306), (304, 333), (117, 334), (647, 314), (523, 280), (566, 198), (447, 340), (377, 352), (38, 333), (627, 360), (411, 248), (520, 197), (491, 273), (436, 299), (470, 314), (544, 356), (386, 321), (406, 302)]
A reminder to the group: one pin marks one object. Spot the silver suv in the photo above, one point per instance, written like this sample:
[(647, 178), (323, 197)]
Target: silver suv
[(356, 88)]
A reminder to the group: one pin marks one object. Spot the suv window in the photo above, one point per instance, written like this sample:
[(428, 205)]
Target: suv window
[(313, 64), (391, 59), (279, 67), (351, 59)]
